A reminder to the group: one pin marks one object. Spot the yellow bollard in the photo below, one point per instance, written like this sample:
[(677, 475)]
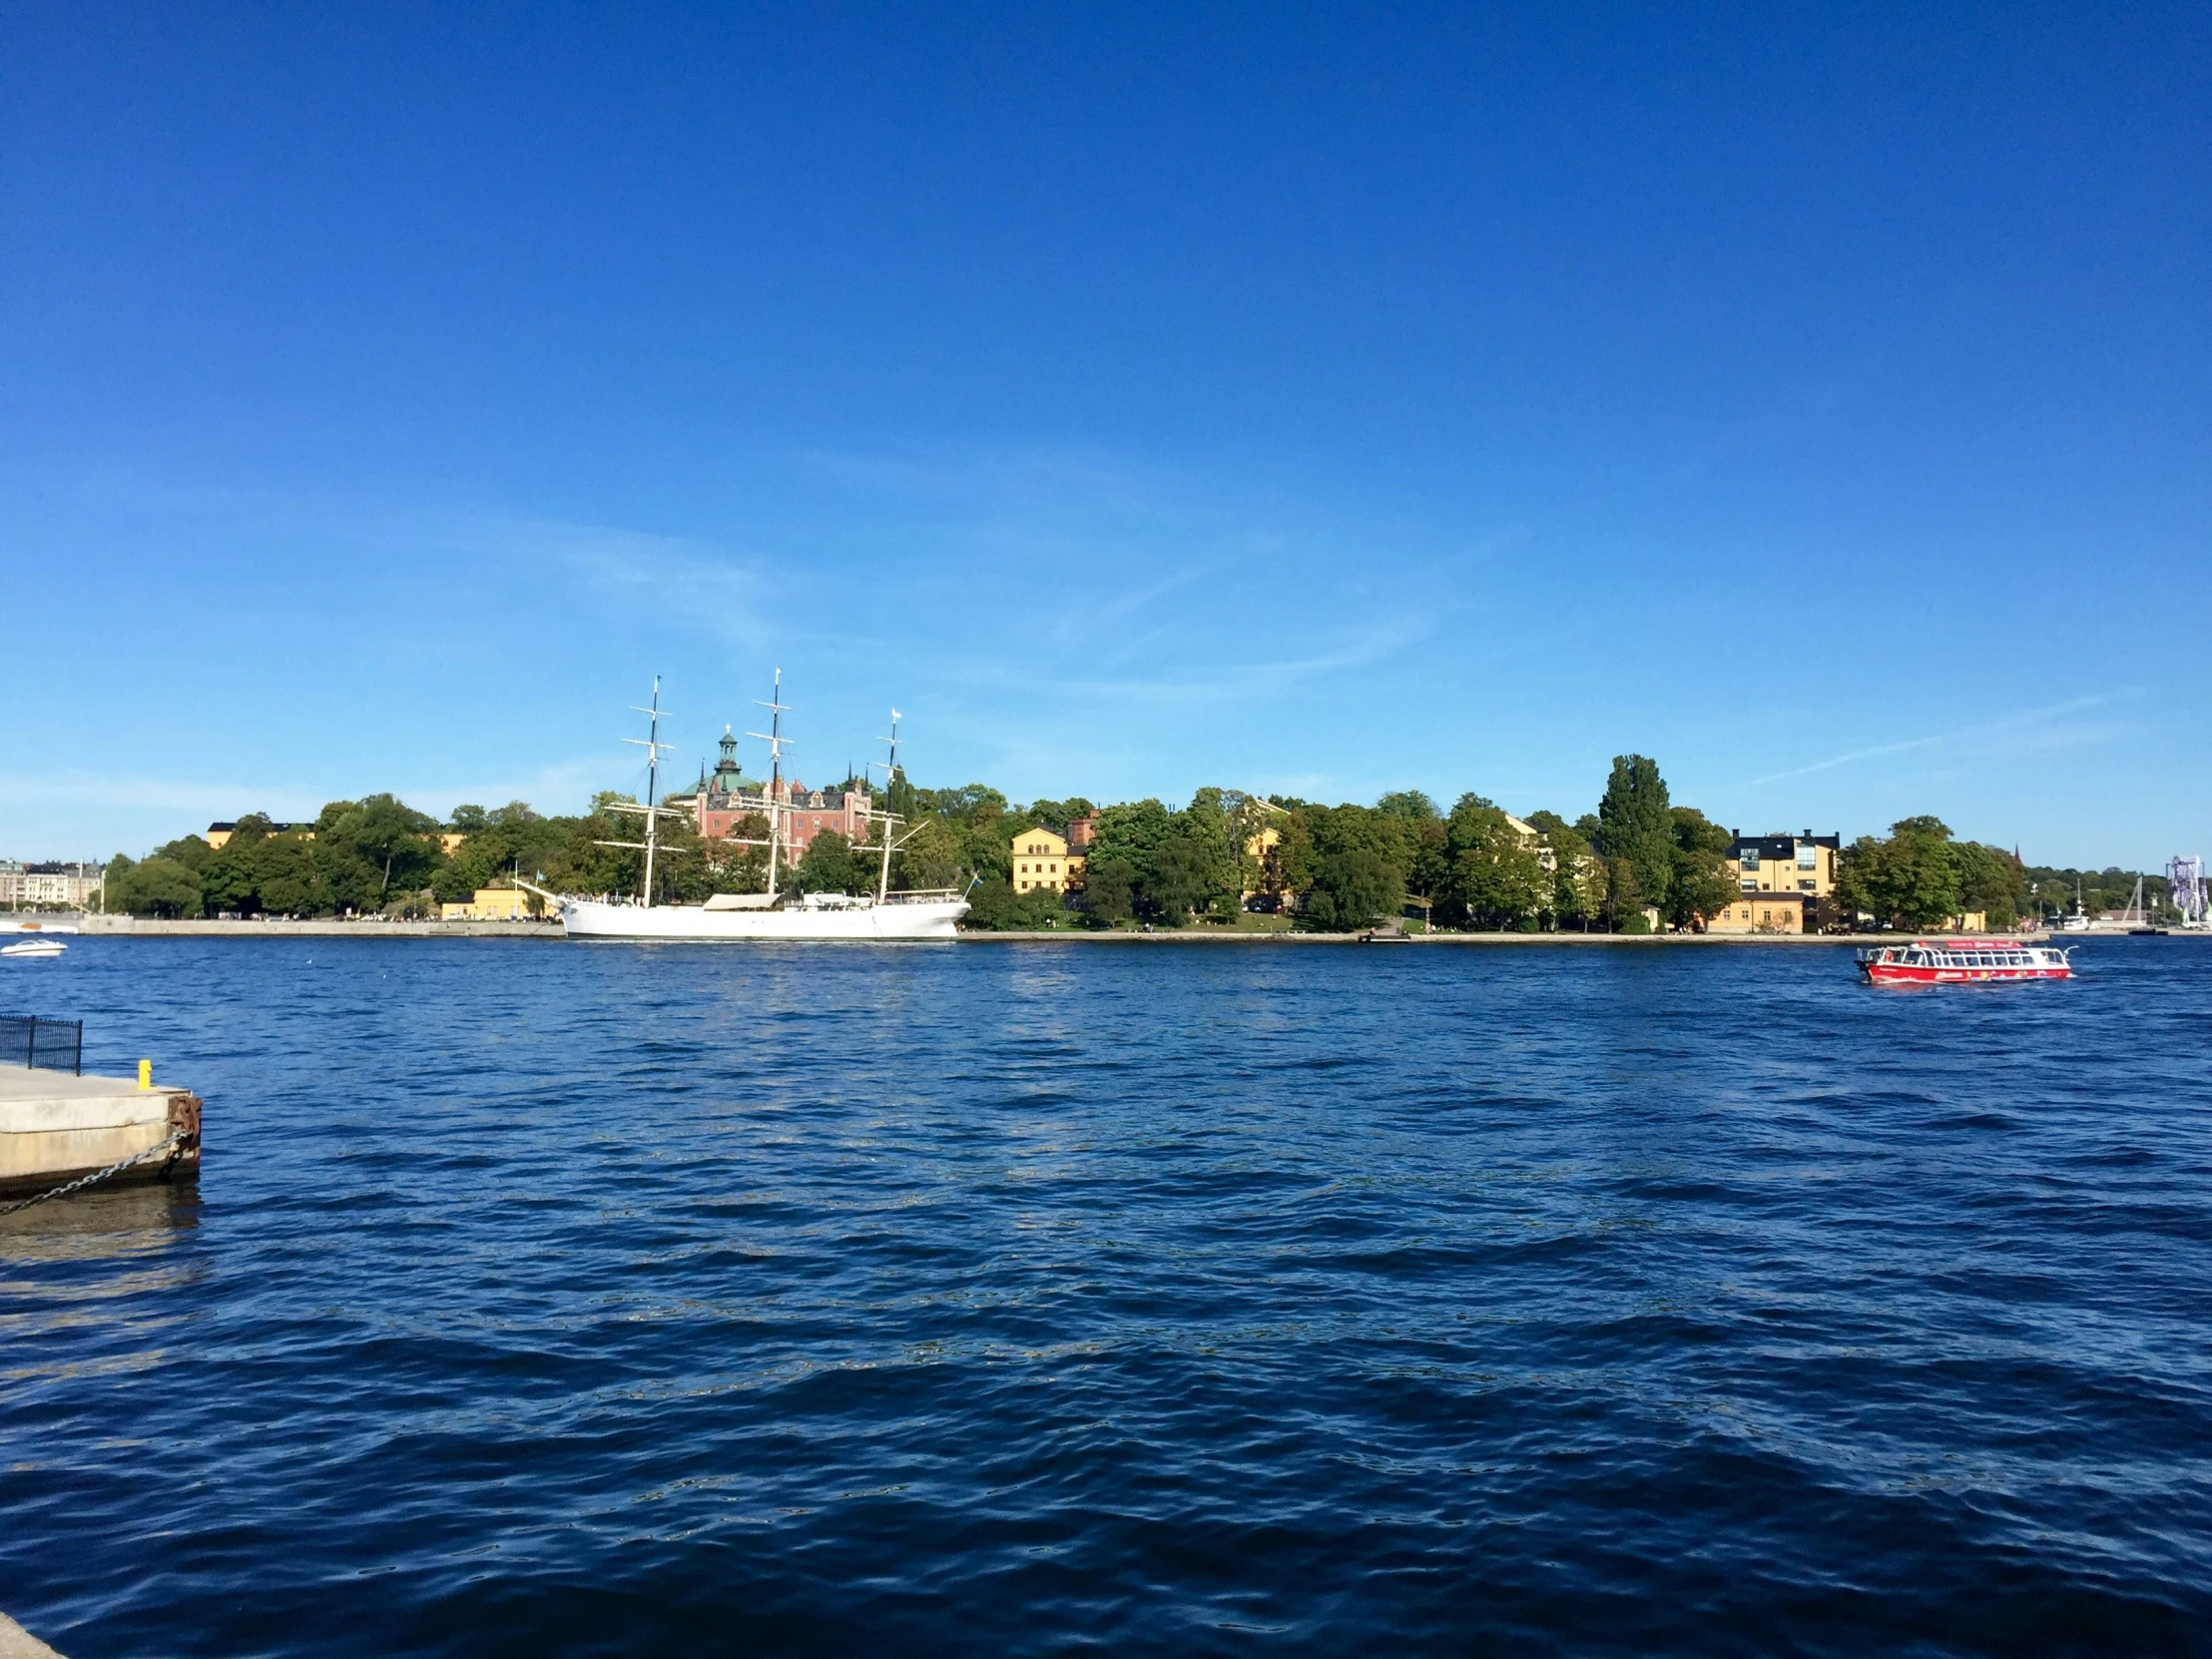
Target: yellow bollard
[(146, 1074)]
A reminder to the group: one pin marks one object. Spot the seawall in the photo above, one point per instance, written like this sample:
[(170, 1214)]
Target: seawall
[(321, 929)]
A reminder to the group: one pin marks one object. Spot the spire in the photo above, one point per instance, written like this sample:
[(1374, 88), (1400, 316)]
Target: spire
[(727, 777)]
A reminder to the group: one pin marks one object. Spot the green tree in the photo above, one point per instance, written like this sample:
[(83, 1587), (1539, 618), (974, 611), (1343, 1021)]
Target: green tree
[(1700, 886), (1624, 899), (1578, 877), (288, 879), (1353, 888), (1636, 823), (1109, 891), (159, 887), (1911, 880), (979, 823), (1209, 828), (1179, 881), (374, 847), (1410, 804), (1994, 883), (830, 867), (1039, 909), (1492, 876), (231, 879), (992, 904), (929, 858)]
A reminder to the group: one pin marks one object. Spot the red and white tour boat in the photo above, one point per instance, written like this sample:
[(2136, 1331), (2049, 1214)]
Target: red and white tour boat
[(1961, 961)]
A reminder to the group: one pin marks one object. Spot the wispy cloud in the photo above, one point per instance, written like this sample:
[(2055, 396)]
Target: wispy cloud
[(160, 795), (676, 580), (2039, 725), (563, 787)]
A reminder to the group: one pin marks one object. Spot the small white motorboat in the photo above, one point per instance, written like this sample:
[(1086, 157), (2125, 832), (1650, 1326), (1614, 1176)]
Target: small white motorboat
[(34, 947)]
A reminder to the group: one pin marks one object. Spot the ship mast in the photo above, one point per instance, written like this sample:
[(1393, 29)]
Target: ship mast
[(652, 810), (885, 817), (775, 739)]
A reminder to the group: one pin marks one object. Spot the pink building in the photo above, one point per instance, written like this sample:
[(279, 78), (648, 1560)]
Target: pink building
[(718, 807)]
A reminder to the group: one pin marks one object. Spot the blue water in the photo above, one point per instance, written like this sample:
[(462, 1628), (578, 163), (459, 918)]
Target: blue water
[(1020, 1298)]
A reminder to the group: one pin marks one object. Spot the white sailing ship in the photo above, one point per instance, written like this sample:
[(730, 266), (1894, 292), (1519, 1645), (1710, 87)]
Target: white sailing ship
[(769, 914)]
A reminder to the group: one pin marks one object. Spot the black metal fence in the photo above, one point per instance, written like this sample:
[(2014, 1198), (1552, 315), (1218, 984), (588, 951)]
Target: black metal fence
[(46, 1045)]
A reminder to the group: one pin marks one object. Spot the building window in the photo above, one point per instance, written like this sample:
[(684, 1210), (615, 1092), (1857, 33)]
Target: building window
[(1751, 857), (1808, 855), (1749, 886)]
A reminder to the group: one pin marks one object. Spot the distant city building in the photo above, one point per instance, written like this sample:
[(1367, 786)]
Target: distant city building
[(1043, 860), (50, 887), (1785, 883)]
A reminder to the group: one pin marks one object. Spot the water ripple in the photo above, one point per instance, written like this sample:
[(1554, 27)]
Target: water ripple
[(1026, 1299)]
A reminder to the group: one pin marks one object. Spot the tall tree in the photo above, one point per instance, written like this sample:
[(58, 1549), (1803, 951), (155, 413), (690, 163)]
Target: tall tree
[(158, 886), (829, 866), (1636, 823), (1492, 876), (928, 857), (1353, 888), (1700, 886), (1909, 880), (1109, 891)]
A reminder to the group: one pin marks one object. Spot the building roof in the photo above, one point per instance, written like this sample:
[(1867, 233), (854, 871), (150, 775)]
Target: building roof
[(1780, 845)]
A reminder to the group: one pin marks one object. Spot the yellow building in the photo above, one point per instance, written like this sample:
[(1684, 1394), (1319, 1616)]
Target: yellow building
[(1801, 866), (219, 835), (1761, 912), (489, 905), (1042, 860)]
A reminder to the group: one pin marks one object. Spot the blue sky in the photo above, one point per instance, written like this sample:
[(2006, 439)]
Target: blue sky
[(1298, 398)]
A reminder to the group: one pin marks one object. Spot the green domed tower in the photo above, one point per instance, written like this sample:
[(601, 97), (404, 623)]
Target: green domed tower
[(728, 780)]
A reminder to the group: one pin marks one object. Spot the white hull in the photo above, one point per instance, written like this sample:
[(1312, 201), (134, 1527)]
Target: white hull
[(587, 918)]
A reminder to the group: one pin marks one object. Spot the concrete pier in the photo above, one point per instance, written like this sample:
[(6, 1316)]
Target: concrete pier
[(54, 1127), (18, 1643)]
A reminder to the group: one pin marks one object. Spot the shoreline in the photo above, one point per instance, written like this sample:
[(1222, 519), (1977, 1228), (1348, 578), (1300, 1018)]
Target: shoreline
[(145, 927), (1194, 936), (136, 927)]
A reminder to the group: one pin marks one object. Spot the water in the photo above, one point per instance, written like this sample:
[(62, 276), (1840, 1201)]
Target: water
[(1022, 1298)]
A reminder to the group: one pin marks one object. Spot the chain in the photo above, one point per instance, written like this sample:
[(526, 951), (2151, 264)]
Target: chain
[(97, 1175)]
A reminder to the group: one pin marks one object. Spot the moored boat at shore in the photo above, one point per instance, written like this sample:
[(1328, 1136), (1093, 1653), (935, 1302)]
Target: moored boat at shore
[(814, 915), (775, 914), (1963, 961)]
